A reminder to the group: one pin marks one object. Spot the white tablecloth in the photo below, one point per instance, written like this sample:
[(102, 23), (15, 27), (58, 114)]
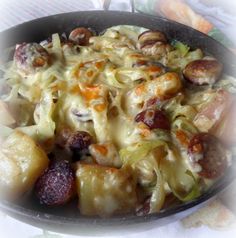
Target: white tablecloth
[(11, 228), (14, 12)]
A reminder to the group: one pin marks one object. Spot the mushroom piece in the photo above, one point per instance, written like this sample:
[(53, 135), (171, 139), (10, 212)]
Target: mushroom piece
[(153, 43), (80, 36)]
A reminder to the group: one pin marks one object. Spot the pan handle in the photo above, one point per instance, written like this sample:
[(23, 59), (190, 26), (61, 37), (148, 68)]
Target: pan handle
[(107, 3)]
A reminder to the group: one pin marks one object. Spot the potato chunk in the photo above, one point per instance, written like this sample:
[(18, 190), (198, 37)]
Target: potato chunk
[(104, 191), (21, 162)]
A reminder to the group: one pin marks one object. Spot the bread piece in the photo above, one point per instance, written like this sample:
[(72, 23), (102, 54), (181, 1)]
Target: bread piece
[(215, 215)]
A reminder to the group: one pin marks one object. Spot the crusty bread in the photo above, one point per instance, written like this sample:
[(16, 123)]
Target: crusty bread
[(214, 215)]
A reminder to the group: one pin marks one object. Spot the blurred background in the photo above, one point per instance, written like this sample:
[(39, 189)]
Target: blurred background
[(214, 17)]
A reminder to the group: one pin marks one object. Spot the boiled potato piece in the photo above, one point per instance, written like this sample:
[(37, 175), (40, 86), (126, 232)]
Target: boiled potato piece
[(21, 162), (104, 191)]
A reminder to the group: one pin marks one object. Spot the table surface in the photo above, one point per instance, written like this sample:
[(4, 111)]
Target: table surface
[(14, 12)]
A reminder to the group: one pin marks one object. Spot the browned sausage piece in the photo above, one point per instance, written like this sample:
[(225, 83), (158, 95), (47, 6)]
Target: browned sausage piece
[(203, 71), (151, 37), (57, 185), (154, 69), (154, 119), (158, 49), (30, 56), (79, 141), (80, 36), (207, 151), (153, 43)]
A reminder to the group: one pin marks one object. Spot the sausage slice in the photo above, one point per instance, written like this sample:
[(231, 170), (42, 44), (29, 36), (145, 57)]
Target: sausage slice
[(30, 56), (204, 71), (57, 185), (153, 118), (207, 151), (80, 36)]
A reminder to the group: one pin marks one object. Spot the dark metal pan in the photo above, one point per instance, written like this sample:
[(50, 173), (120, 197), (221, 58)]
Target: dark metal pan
[(67, 220)]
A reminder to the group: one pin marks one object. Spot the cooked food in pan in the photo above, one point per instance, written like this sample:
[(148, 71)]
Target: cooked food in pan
[(126, 121)]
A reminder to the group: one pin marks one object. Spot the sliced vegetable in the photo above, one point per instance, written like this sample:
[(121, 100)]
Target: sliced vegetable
[(182, 131), (138, 151), (56, 46), (158, 193), (155, 193), (45, 125), (177, 61), (174, 169), (184, 124), (149, 173), (175, 108), (192, 194), (181, 47), (124, 77)]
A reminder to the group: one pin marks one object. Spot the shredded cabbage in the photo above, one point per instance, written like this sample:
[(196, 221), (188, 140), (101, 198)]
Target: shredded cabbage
[(192, 194), (179, 58), (183, 124), (181, 182), (182, 48), (45, 126), (141, 151), (162, 135), (56, 46), (124, 77), (228, 83), (158, 192), (174, 108), (134, 153)]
